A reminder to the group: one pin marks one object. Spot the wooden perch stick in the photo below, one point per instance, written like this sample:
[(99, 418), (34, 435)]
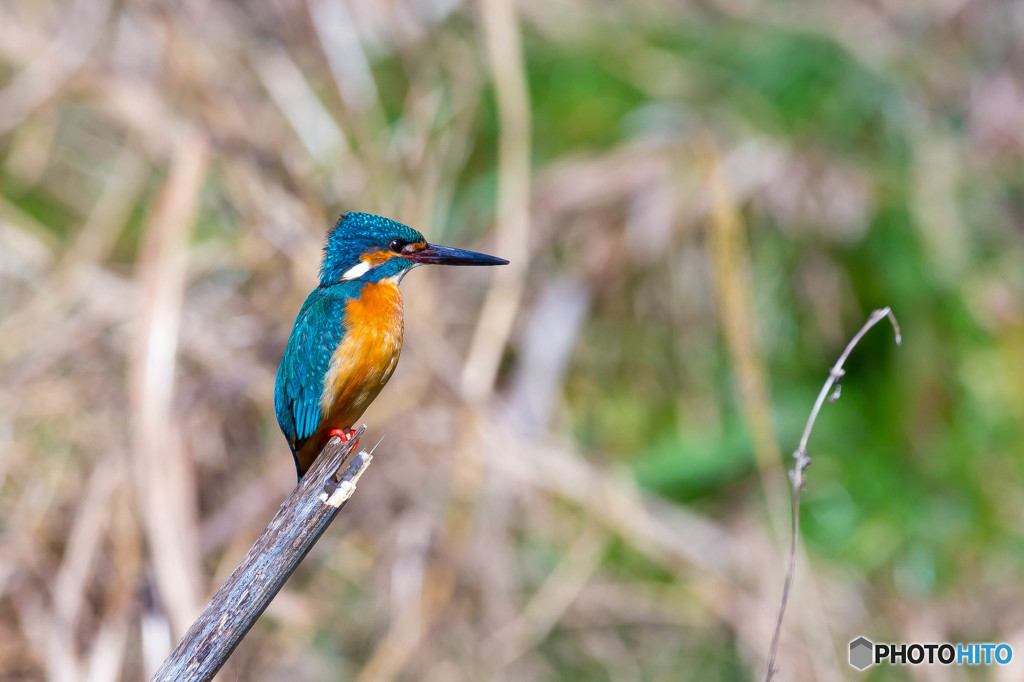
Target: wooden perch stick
[(293, 531)]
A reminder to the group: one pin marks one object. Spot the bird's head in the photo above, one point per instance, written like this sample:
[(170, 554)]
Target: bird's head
[(371, 248)]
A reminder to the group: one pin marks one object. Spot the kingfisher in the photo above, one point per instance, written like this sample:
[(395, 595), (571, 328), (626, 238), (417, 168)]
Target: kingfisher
[(345, 343)]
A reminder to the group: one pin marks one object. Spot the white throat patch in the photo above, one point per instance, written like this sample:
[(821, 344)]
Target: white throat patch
[(397, 277)]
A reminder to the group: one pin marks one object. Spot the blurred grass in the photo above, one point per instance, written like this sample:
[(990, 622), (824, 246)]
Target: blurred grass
[(874, 154)]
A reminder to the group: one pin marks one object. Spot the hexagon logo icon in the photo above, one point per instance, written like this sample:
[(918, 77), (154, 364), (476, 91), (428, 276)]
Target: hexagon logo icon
[(861, 653)]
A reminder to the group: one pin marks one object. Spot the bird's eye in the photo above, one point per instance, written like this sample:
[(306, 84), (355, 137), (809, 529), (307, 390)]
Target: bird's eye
[(397, 245)]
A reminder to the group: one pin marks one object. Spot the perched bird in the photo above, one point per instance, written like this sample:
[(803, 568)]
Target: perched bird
[(347, 337)]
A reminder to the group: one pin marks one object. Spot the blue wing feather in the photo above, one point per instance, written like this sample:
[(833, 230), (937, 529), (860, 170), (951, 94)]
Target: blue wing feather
[(300, 378)]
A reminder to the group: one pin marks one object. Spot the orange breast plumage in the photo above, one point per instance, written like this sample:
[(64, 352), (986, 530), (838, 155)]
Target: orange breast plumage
[(366, 356), (362, 363)]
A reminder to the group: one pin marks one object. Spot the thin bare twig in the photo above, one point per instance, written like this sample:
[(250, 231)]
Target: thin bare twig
[(802, 461)]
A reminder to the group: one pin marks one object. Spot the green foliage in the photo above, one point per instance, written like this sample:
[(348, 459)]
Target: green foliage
[(797, 85), (578, 103)]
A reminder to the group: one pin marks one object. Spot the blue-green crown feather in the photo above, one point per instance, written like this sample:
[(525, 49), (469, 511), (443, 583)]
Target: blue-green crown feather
[(357, 233)]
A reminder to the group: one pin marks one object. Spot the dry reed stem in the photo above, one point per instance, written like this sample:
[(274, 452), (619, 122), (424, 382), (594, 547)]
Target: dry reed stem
[(549, 602), (414, 620), (503, 43), (730, 259), (164, 477)]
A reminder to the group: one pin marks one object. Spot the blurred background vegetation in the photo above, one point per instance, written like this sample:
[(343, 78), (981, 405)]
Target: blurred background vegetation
[(581, 471)]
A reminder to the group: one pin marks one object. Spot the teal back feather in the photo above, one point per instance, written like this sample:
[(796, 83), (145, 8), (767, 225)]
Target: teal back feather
[(300, 377)]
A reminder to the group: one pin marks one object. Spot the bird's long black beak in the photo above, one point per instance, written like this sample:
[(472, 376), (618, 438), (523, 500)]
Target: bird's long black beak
[(446, 255)]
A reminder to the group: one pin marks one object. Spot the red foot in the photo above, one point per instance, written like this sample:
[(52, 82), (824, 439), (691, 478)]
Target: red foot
[(344, 434)]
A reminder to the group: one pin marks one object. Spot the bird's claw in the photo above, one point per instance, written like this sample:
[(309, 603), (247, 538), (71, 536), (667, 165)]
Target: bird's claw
[(344, 434)]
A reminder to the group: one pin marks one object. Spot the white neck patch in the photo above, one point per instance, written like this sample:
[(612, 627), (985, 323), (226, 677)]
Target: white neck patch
[(356, 271)]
